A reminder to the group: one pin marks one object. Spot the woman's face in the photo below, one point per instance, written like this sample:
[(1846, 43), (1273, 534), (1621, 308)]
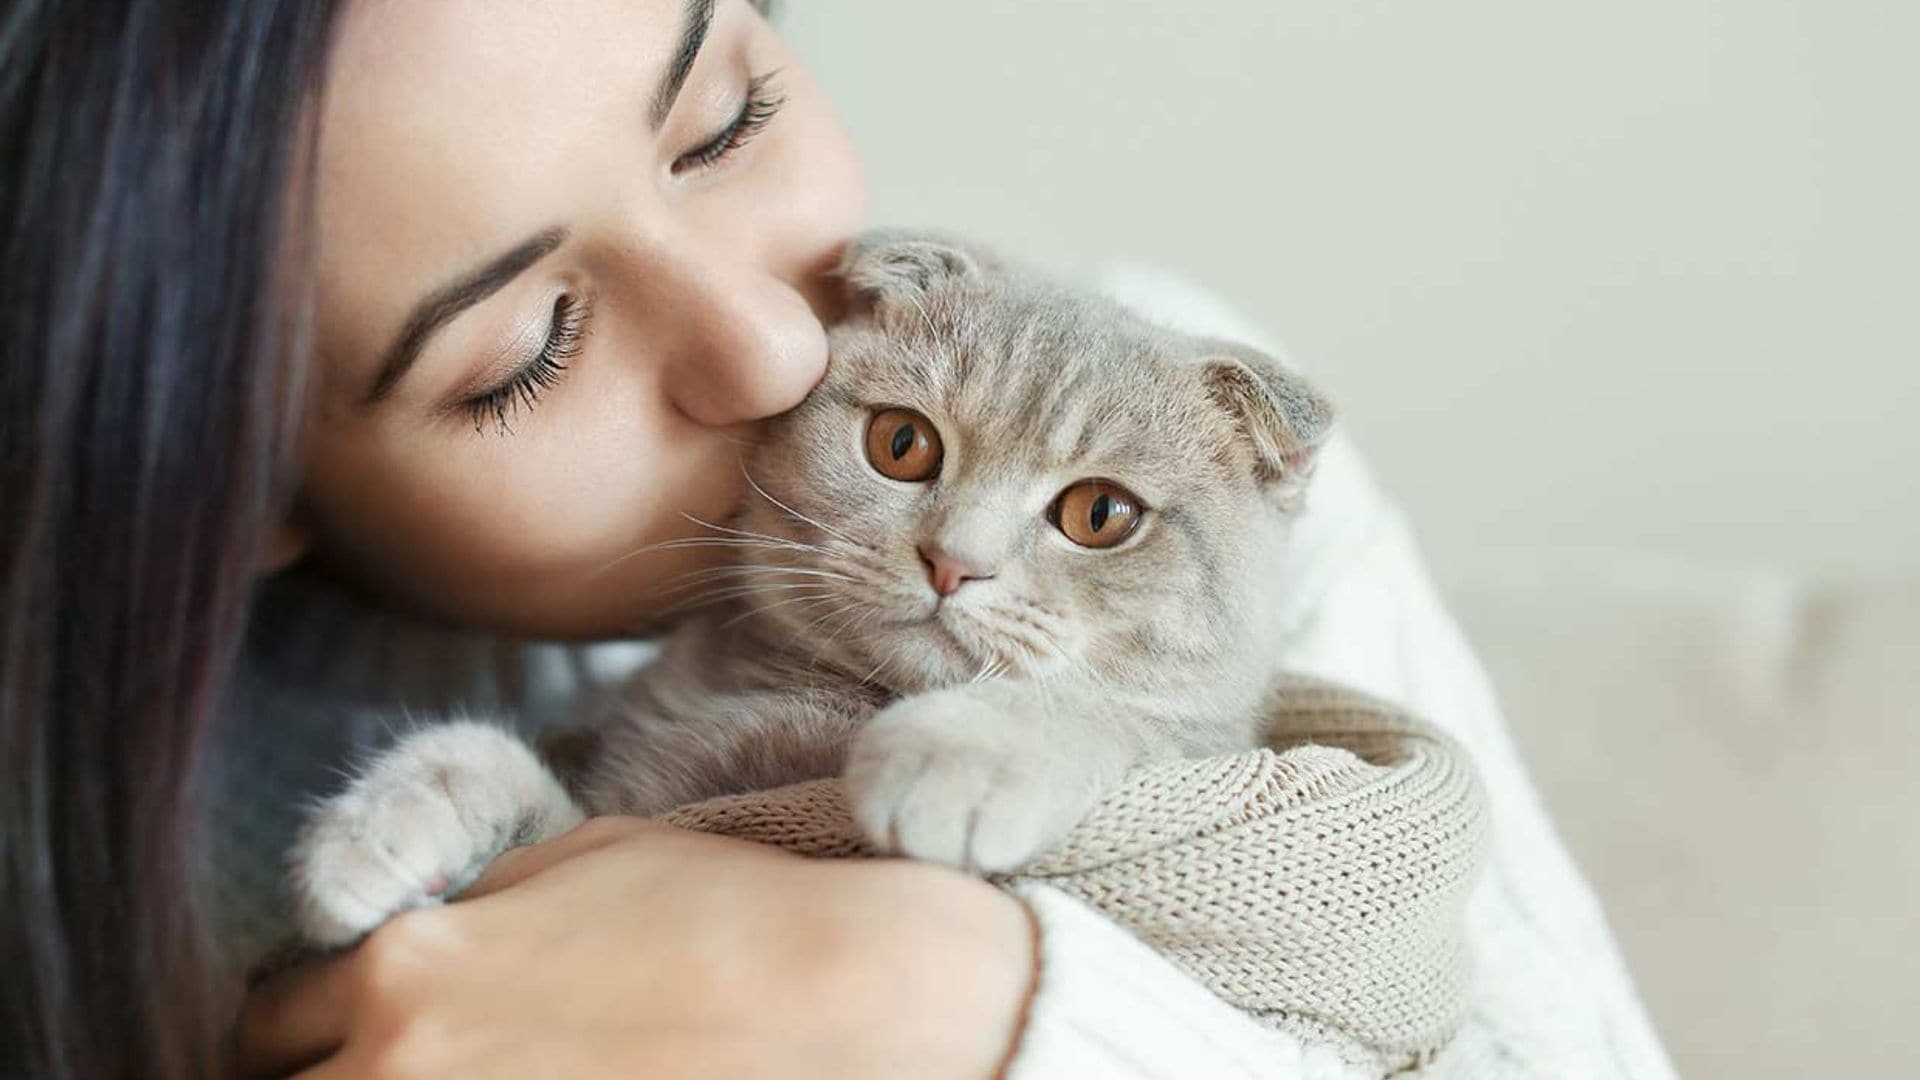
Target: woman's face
[(569, 253)]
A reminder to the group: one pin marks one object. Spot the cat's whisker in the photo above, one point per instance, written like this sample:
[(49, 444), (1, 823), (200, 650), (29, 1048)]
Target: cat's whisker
[(847, 613), (863, 614), (726, 542), (1027, 650), (747, 534), (803, 571), (885, 656), (1038, 636), (706, 541), (756, 588), (761, 608), (689, 581), (992, 669), (711, 601), (795, 514), (843, 609), (735, 592), (716, 573)]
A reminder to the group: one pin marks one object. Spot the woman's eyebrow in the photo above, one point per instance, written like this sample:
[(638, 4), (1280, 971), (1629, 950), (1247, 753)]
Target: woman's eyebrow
[(441, 306), (693, 34), (450, 300)]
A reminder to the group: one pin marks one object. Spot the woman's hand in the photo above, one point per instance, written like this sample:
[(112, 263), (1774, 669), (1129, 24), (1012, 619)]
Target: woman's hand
[(627, 948)]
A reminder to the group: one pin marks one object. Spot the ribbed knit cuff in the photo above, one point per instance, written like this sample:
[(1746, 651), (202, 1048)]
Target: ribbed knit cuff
[(1108, 1006)]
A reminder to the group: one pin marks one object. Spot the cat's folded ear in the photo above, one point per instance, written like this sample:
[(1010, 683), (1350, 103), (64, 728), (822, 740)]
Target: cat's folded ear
[(1283, 418), (888, 266)]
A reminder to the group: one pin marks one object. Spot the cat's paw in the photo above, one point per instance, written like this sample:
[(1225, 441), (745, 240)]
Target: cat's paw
[(950, 779), (417, 826)]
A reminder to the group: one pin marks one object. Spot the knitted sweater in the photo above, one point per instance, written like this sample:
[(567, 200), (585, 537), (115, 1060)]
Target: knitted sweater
[(1319, 885), (1550, 998)]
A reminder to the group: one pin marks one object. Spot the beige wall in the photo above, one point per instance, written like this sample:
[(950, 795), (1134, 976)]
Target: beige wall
[(1628, 274)]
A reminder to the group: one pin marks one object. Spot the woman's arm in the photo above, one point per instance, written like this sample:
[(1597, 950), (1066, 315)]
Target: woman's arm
[(627, 948)]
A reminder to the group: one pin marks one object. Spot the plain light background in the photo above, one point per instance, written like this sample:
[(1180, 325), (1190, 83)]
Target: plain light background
[(1627, 275)]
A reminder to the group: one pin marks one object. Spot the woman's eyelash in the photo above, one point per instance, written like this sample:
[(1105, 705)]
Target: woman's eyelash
[(543, 370), (540, 372), (762, 104)]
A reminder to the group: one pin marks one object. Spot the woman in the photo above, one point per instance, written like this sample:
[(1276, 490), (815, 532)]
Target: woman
[(453, 306)]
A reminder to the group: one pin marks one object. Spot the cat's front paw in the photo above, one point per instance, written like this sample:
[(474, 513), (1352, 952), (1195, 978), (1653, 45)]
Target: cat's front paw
[(423, 820), (950, 779)]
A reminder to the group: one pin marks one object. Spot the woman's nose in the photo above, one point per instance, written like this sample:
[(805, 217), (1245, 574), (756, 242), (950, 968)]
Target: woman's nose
[(745, 344)]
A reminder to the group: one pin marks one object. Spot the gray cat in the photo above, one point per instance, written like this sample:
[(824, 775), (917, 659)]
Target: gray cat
[(1016, 543)]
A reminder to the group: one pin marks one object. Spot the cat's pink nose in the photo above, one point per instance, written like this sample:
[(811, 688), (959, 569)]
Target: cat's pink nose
[(946, 572)]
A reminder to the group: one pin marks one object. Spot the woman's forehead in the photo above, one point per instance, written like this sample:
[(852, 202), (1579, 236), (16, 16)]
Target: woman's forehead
[(450, 40), (441, 108)]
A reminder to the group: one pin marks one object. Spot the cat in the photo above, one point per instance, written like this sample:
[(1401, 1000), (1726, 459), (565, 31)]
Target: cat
[(1017, 542)]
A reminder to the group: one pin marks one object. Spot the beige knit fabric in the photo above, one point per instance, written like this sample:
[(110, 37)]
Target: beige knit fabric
[(1319, 884)]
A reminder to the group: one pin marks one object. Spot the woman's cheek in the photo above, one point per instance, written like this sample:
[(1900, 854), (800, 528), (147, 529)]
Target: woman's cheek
[(566, 542), (590, 491)]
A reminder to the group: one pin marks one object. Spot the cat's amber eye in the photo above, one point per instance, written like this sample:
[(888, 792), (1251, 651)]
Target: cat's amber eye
[(1097, 513), (903, 445)]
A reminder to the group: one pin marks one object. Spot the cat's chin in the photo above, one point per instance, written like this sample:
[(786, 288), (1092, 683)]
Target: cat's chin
[(952, 646), (927, 656), (917, 647), (912, 656)]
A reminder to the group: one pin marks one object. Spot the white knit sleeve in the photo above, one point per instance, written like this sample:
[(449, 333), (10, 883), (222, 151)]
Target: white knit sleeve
[(1108, 1006), (1552, 997)]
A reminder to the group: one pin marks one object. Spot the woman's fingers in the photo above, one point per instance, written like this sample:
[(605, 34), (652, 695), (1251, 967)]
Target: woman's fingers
[(519, 864), (295, 1018)]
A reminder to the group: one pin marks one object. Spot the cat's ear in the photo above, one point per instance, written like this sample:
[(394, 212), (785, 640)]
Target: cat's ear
[(1283, 418), (886, 266)]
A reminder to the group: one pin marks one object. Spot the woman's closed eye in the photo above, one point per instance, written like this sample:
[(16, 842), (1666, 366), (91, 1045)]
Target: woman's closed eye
[(758, 107), (536, 374), (544, 368)]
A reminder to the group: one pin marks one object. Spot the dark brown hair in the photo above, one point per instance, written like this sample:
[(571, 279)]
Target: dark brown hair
[(147, 388)]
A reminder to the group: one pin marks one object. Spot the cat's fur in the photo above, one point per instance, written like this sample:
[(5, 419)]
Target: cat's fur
[(973, 730)]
